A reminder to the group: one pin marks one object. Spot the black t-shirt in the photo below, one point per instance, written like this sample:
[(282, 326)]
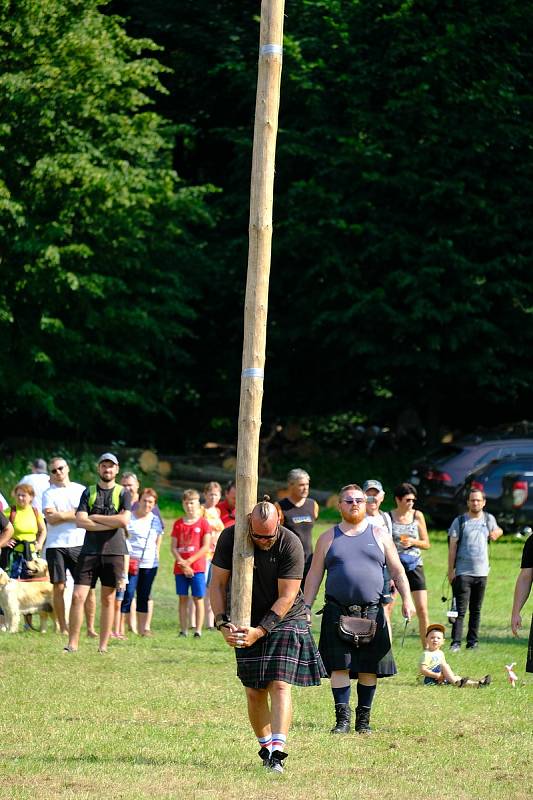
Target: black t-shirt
[(112, 542), (527, 554), (300, 520), (4, 522), (285, 559)]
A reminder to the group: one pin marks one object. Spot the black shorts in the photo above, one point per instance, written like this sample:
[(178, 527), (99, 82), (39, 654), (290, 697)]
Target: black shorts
[(416, 578), (61, 559), (91, 567)]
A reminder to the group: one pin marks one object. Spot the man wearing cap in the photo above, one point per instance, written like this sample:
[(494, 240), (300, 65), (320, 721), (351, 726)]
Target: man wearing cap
[(103, 512), (39, 480), (299, 512), (277, 650)]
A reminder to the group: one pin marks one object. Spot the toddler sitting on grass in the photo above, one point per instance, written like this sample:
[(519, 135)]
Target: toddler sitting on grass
[(433, 665)]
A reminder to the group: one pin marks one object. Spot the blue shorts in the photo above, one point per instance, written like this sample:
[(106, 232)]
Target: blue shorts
[(195, 584)]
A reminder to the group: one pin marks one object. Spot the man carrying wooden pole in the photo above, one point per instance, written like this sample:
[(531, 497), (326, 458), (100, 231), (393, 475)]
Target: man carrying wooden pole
[(268, 623)]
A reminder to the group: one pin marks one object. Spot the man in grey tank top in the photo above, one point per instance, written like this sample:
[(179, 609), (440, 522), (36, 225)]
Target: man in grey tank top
[(353, 554)]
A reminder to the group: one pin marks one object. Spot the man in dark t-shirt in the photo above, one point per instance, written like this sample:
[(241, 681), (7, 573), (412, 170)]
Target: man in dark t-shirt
[(521, 593), (277, 650), (104, 511), (299, 512)]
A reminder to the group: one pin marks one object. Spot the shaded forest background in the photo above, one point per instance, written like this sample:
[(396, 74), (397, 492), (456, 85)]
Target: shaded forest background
[(401, 268)]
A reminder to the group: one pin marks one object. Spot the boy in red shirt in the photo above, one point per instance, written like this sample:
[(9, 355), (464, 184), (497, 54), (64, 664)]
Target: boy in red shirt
[(190, 540)]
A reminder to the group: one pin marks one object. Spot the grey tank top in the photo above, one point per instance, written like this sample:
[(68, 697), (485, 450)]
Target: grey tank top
[(355, 568)]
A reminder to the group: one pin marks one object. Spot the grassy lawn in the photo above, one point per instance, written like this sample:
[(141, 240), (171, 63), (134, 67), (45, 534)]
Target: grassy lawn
[(165, 718)]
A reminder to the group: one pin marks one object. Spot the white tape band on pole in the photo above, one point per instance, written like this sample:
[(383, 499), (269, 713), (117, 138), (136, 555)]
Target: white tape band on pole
[(253, 372), (271, 50)]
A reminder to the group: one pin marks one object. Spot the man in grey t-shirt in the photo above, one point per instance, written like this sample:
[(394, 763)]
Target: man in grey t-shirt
[(468, 565)]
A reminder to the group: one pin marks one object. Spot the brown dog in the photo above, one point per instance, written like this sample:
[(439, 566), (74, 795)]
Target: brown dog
[(25, 597)]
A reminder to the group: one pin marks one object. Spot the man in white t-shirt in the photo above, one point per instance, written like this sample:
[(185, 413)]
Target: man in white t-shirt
[(4, 505), (64, 539), (39, 480)]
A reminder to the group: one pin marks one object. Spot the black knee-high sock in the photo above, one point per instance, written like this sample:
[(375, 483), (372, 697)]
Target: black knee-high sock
[(341, 694), (365, 694)]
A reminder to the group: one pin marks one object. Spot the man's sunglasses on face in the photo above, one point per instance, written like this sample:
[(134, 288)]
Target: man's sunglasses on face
[(57, 469), (351, 500)]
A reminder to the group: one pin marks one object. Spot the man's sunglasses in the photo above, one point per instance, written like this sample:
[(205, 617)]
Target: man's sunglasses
[(351, 500), (57, 469), (260, 536)]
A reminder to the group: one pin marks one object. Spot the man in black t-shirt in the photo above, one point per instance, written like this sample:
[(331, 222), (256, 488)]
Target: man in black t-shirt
[(277, 650), (299, 512), (104, 511), (521, 593)]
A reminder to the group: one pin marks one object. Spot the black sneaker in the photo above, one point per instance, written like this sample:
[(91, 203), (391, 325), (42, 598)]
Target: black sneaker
[(486, 681), (197, 635), (471, 645), (275, 763), (455, 647), (182, 635), (463, 682), (264, 755)]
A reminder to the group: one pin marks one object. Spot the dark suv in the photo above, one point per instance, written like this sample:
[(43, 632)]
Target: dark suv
[(439, 476), (506, 487)]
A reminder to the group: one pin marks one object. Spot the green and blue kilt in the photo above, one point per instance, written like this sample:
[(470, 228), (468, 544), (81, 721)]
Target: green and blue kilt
[(375, 658), (288, 653)]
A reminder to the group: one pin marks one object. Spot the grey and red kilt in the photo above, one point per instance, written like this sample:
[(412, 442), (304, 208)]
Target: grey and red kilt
[(375, 658), (288, 653)]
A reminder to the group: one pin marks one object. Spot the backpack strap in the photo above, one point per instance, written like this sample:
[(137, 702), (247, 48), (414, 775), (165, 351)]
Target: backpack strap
[(117, 491), (115, 497), (92, 497), (12, 514), (387, 520), (462, 523)]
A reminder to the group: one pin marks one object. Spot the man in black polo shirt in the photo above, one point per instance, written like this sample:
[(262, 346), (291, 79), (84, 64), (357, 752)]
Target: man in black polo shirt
[(104, 511), (278, 649)]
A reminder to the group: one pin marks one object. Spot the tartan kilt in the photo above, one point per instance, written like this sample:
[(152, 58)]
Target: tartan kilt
[(375, 658), (288, 653)]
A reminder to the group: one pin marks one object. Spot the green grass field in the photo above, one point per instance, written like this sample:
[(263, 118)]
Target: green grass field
[(165, 718)]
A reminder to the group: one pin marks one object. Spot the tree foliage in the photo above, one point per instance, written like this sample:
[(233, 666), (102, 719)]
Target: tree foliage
[(96, 231), (401, 264), (402, 243)]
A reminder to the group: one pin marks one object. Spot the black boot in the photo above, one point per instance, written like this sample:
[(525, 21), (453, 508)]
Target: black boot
[(362, 720), (343, 715)]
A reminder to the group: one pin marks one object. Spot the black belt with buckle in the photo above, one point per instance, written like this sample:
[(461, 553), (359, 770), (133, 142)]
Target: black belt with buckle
[(353, 610)]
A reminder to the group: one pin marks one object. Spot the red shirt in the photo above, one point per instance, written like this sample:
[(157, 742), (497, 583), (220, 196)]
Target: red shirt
[(227, 515), (188, 538)]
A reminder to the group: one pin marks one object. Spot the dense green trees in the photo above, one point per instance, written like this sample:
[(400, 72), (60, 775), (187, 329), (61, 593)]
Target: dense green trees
[(402, 245), (96, 232)]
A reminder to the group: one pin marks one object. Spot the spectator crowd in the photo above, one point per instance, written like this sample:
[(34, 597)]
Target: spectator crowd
[(112, 532)]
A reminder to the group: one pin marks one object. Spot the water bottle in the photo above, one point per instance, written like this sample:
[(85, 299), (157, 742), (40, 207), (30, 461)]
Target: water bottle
[(452, 613)]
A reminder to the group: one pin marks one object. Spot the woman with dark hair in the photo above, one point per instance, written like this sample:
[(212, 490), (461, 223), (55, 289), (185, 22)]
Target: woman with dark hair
[(145, 531), (410, 535)]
